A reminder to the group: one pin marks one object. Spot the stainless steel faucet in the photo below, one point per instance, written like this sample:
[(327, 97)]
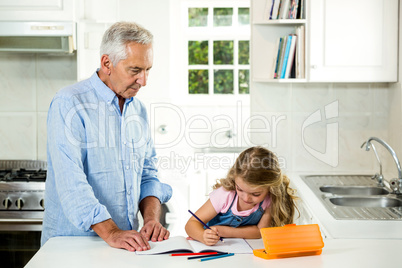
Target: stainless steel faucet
[(397, 188), (378, 176)]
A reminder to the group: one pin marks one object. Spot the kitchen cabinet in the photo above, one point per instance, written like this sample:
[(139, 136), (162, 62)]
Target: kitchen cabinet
[(345, 41), (38, 10), (353, 41)]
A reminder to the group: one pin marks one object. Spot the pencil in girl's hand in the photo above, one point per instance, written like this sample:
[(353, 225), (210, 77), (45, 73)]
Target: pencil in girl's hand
[(217, 257), (206, 226)]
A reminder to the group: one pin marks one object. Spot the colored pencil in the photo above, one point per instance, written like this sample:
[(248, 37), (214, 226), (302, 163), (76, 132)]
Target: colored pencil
[(217, 257), (206, 256), (192, 254), (206, 226)]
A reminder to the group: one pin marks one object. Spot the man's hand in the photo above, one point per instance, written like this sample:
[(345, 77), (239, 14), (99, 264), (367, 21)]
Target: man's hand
[(130, 240), (154, 231)]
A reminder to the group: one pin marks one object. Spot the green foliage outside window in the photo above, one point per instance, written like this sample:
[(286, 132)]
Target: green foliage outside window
[(244, 79), (197, 17), (198, 81), (223, 52), (223, 16), (223, 81), (244, 16), (197, 52), (244, 52)]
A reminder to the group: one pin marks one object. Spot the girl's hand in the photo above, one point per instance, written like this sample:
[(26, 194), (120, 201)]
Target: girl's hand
[(211, 236)]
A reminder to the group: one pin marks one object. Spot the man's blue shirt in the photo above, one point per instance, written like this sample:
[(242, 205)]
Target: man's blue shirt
[(101, 162)]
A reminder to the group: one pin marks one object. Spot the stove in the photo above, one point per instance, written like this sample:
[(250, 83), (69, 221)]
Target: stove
[(22, 191)]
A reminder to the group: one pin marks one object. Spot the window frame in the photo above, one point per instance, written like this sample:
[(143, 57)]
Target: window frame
[(211, 34)]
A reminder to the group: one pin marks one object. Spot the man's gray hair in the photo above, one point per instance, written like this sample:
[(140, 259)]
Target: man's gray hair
[(116, 38)]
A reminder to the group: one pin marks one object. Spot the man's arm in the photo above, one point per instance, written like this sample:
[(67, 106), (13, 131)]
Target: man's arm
[(130, 240), (150, 208)]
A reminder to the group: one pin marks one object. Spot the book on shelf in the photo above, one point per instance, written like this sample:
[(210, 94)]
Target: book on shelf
[(300, 10), (281, 56), (276, 58), (291, 57), (293, 70), (286, 56), (275, 9), (293, 9), (179, 244), (269, 4), (300, 52), (283, 9)]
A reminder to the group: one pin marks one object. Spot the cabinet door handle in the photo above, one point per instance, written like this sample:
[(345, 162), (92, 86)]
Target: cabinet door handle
[(314, 66)]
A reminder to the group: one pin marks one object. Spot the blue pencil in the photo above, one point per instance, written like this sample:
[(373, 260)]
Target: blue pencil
[(206, 226), (217, 257)]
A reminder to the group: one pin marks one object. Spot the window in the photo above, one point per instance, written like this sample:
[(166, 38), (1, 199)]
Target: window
[(218, 45)]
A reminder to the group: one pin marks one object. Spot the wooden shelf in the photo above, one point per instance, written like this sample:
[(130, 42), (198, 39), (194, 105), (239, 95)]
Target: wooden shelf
[(276, 22)]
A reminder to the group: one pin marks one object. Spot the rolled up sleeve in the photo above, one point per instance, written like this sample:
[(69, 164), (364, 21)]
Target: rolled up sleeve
[(150, 184)]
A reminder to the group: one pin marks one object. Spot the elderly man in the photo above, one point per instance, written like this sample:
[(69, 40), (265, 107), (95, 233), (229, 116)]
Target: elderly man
[(101, 158)]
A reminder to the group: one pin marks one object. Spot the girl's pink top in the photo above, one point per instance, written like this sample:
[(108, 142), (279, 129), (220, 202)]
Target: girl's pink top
[(221, 200)]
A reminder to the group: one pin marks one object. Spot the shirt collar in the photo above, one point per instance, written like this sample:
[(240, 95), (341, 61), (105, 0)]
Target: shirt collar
[(103, 90)]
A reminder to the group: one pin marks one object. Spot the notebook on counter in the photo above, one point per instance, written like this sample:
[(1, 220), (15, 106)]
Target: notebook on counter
[(179, 244)]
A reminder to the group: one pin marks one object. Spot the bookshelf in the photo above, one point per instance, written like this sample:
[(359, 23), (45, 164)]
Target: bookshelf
[(265, 34), (360, 45)]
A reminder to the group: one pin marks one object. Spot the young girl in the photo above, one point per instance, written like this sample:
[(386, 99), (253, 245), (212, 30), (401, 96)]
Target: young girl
[(254, 195)]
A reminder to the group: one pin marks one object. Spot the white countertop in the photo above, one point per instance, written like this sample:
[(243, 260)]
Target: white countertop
[(89, 252), (333, 228), (348, 243)]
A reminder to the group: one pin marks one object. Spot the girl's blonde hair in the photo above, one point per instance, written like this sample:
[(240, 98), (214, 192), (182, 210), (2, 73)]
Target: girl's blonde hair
[(259, 167)]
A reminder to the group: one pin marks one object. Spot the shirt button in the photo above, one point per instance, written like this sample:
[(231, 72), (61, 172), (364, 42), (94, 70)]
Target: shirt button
[(129, 192), (125, 143), (127, 167)]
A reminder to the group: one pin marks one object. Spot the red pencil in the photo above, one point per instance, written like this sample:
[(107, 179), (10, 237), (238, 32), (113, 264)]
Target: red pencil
[(192, 254)]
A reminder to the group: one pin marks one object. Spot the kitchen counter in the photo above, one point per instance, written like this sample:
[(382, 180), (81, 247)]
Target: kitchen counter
[(348, 243), (94, 252), (333, 228)]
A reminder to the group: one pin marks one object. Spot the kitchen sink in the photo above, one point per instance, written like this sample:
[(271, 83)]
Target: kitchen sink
[(354, 190), (367, 202), (355, 197)]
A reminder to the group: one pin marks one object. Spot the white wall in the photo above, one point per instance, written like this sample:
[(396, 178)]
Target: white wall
[(153, 15)]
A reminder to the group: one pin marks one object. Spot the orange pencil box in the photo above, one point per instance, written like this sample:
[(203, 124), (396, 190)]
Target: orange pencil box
[(290, 241)]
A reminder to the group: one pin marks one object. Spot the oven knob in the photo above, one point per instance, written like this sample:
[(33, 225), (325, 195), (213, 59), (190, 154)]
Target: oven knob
[(42, 203), (19, 203), (7, 203)]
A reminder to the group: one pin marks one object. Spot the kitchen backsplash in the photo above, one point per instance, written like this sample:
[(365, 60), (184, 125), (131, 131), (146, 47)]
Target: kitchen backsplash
[(28, 83), (308, 113)]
